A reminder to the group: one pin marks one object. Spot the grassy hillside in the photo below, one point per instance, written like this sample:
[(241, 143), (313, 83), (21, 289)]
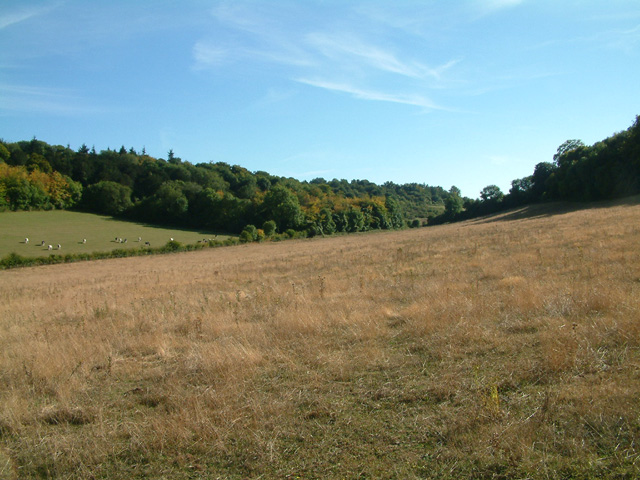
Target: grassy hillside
[(69, 229), (504, 348)]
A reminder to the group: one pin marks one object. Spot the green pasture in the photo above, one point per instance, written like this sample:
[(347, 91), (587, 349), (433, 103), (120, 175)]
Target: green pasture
[(70, 228)]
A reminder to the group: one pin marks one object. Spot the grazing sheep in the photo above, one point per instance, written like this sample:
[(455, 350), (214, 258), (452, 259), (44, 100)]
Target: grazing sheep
[(59, 246), (139, 239), (84, 240), (147, 244), (26, 240), (42, 244), (125, 240), (171, 239), (50, 247)]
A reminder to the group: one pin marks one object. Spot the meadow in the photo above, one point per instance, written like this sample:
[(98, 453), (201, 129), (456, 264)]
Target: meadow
[(69, 229), (505, 347)]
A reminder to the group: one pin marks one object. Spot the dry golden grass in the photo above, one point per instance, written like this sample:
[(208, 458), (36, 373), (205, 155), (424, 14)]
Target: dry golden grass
[(500, 348)]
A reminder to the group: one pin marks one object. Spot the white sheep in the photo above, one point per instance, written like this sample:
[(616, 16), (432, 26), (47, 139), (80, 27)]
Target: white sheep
[(84, 240), (171, 239), (139, 239), (50, 247), (26, 240), (59, 246)]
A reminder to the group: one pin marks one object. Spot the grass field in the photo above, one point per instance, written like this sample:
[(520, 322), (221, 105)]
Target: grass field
[(502, 348), (69, 229)]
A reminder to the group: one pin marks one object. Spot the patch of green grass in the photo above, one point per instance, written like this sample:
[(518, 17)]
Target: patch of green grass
[(68, 229)]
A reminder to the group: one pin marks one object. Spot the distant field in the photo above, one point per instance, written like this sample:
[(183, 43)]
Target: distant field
[(68, 229)]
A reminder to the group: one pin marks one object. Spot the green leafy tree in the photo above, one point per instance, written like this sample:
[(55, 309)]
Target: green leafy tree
[(249, 234), (542, 182), (455, 191), (23, 195), (4, 153), (491, 193), (453, 205), (37, 161), (269, 228), (565, 148), (107, 197), (171, 203), (355, 220), (327, 226), (282, 206), (394, 211)]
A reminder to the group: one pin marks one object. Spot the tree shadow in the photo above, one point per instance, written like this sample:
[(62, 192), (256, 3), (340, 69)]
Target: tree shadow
[(196, 230), (543, 210)]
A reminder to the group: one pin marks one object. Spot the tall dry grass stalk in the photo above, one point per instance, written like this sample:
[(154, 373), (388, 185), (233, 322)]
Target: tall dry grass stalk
[(500, 348)]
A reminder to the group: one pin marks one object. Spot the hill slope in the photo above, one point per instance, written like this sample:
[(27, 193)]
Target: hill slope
[(490, 350), (69, 229)]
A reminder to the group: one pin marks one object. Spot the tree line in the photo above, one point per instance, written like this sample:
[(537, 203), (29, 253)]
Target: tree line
[(219, 196), (607, 169)]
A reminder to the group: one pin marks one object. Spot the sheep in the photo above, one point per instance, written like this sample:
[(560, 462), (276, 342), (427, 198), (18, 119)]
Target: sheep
[(125, 240), (84, 240), (171, 239), (50, 247), (139, 239), (26, 240), (42, 244), (59, 246), (147, 244)]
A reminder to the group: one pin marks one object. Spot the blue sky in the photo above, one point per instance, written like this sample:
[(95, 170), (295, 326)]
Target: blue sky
[(466, 93)]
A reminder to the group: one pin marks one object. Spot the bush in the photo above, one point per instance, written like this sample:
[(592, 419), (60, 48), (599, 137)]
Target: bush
[(172, 246), (249, 234), (269, 228), (12, 260)]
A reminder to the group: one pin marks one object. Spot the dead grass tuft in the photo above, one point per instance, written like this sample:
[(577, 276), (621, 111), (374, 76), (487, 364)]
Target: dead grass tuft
[(56, 415)]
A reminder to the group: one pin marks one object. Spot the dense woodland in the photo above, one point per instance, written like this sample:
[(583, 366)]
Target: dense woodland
[(218, 196)]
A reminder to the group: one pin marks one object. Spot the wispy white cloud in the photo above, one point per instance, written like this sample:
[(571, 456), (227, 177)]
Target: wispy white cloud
[(208, 55), (25, 98), (341, 54), (366, 94), (263, 36), (350, 48), (623, 39), (23, 14)]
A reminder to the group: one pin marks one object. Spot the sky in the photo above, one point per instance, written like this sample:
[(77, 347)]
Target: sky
[(467, 93)]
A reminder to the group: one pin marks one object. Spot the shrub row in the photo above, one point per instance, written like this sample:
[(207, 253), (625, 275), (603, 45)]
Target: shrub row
[(13, 260)]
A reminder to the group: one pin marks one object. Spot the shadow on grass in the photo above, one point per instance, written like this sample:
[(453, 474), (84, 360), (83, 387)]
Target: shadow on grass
[(542, 210), (199, 231)]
